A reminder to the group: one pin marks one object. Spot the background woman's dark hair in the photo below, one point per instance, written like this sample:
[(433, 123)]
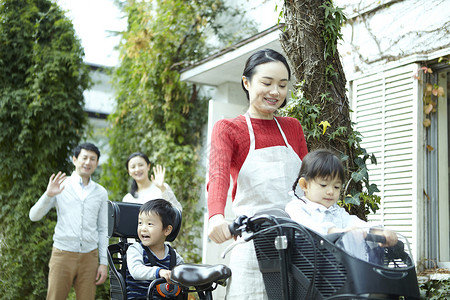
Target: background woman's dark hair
[(134, 186), (262, 57), (321, 163)]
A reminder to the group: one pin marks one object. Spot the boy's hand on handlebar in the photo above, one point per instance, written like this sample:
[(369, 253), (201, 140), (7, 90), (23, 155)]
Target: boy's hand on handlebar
[(391, 238), (389, 235), (163, 273), (218, 230)]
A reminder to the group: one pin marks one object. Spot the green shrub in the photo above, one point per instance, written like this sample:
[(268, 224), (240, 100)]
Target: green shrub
[(42, 80), (435, 289)]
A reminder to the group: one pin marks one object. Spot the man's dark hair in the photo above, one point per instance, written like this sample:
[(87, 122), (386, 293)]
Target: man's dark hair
[(88, 147)]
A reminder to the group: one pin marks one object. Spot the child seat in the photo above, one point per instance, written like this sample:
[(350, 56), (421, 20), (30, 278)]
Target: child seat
[(300, 264), (122, 224)]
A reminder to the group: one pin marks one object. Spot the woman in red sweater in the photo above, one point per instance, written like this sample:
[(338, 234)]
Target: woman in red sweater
[(262, 153)]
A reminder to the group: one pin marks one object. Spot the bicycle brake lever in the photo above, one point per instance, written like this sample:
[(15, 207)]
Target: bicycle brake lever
[(231, 246)]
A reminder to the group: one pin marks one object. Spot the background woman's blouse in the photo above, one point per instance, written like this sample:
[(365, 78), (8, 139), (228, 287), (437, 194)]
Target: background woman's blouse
[(151, 193)]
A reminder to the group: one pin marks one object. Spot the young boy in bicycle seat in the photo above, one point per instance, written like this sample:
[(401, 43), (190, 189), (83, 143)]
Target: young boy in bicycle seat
[(151, 257), (321, 178)]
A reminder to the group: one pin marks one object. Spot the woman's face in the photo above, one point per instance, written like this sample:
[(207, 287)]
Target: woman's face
[(267, 89), (138, 168)]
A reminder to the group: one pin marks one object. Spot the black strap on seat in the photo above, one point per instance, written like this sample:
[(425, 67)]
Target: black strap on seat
[(173, 262), (151, 258)]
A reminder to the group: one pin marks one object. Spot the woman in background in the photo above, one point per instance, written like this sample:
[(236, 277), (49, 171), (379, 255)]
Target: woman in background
[(144, 188)]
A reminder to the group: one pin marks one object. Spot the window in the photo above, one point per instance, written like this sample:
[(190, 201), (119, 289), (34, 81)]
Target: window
[(437, 173), (443, 139)]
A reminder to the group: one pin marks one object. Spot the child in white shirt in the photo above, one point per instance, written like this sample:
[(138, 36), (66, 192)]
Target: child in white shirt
[(321, 178)]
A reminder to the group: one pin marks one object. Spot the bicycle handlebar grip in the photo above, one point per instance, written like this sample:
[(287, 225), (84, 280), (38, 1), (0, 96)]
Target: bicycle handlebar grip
[(153, 286), (234, 227), (376, 238)]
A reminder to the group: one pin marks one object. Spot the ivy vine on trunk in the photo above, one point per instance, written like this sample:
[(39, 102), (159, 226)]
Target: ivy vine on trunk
[(312, 31)]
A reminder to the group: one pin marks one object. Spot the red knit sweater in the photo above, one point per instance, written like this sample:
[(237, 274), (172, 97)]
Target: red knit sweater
[(230, 143)]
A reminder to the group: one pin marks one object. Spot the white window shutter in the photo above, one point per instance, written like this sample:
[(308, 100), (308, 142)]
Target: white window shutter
[(385, 112)]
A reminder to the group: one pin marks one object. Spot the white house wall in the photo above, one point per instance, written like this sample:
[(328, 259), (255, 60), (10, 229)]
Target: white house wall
[(383, 42), (378, 32), (100, 97)]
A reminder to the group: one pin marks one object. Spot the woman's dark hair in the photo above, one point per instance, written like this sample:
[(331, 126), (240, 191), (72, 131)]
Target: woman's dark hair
[(321, 163), (261, 57), (134, 186), (162, 208)]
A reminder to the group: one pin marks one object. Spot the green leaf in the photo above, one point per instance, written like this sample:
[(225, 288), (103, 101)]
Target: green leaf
[(352, 199), (373, 159), (372, 189), (360, 162), (359, 175)]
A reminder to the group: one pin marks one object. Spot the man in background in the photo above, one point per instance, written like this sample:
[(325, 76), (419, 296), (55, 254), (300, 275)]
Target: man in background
[(80, 240)]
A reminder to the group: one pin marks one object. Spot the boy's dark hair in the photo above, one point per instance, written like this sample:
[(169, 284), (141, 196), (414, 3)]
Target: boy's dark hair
[(320, 163), (162, 208), (88, 147), (261, 57)]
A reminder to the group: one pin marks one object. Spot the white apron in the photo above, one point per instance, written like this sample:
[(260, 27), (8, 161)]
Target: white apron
[(263, 182)]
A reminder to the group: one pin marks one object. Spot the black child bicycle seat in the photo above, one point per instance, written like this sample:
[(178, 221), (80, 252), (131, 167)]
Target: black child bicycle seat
[(199, 275)]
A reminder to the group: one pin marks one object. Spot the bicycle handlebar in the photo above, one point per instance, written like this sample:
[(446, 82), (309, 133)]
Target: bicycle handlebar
[(162, 288), (249, 224), (243, 224), (246, 224), (153, 285), (375, 238), (235, 227)]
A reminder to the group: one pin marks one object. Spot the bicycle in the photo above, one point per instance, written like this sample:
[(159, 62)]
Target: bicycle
[(187, 278), (298, 263)]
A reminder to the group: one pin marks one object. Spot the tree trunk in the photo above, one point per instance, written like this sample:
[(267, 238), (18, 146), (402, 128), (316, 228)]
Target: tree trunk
[(305, 47)]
